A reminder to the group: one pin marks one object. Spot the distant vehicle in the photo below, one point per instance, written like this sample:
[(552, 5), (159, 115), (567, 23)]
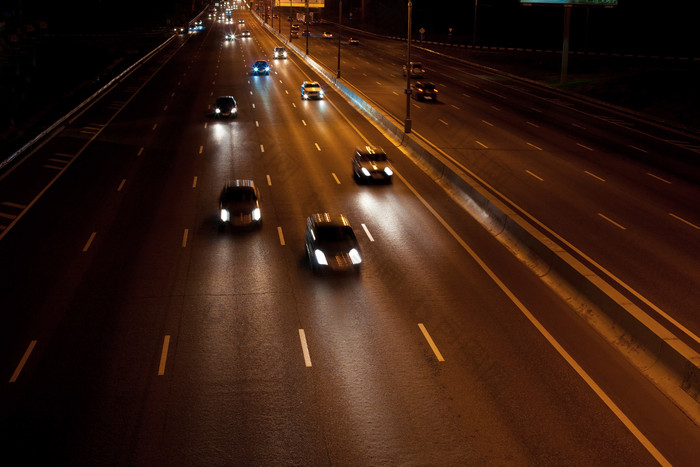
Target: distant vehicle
[(225, 106), (371, 164), (417, 70), (306, 33), (294, 34), (229, 36), (239, 204), (261, 68), (181, 29), (353, 41), (279, 52), (422, 90), (327, 35), (240, 21), (295, 26), (331, 244), (311, 90), (245, 33)]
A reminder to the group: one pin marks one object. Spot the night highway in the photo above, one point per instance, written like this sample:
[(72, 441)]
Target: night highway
[(137, 331)]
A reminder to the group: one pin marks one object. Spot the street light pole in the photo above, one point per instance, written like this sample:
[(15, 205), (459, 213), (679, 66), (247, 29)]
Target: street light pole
[(340, 19), (306, 20), (407, 122)]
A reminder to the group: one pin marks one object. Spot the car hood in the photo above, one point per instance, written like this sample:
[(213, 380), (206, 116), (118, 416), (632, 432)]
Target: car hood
[(374, 165), (239, 207)]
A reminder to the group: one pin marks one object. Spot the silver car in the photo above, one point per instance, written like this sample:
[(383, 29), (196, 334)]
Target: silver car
[(311, 90), (239, 204), (371, 164)]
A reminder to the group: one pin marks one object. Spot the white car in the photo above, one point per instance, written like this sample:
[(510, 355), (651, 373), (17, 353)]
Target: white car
[(279, 52), (311, 90)]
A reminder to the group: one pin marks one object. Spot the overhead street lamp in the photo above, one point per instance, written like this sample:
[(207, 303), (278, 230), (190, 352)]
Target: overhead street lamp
[(407, 122), (340, 19)]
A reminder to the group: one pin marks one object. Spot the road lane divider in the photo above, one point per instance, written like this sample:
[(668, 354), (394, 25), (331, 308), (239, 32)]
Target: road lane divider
[(89, 242), (163, 355), (22, 362), (432, 345), (305, 348), (280, 235)]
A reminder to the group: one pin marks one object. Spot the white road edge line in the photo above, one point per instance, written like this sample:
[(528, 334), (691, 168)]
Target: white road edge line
[(22, 362), (305, 348), (552, 341)]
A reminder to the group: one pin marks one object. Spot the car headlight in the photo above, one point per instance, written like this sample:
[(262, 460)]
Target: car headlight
[(320, 92), (355, 256), (320, 257), (284, 55), (255, 68), (225, 215), (365, 172), (218, 110), (267, 68), (256, 214), (388, 171)]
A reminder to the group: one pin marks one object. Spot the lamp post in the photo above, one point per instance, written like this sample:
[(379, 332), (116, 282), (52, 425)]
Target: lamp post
[(340, 19), (407, 122), (306, 20)]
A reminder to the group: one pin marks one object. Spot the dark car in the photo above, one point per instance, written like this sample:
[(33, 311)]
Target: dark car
[(353, 41), (245, 33), (331, 244), (225, 106), (416, 68), (424, 91), (239, 204), (261, 68), (371, 164)]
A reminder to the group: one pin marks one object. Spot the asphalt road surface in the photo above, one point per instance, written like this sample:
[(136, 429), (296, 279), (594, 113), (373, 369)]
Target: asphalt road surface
[(135, 331)]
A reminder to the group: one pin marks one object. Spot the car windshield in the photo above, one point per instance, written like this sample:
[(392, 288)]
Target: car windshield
[(239, 195), (224, 102), (378, 156), (260, 64), (334, 233)]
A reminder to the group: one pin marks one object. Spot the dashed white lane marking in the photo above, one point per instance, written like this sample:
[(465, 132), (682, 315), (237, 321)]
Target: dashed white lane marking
[(89, 242), (22, 362), (305, 348), (369, 235), (430, 342)]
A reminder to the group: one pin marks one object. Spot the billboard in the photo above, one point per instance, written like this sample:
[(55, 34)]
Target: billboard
[(571, 2), (299, 3)]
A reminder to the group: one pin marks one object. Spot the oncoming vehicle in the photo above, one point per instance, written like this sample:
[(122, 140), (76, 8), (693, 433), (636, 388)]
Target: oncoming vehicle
[(311, 90), (225, 106), (279, 52), (230, 36), (261, 68), (245, 33), (353, 41), (417, 70), (371, 164), (422, 90), (331, 244), (239, 204), (327, 35)]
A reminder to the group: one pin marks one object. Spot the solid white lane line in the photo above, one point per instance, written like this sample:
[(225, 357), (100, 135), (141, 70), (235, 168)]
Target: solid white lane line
[(89, 242), (658, 178), (612, 221), (552, 341), (163, 355), (538, 178), (22, 362), (121, 185), (336, 178), (281, 235), (430, 342), (269, 180), (683, 220), (305, 348), (369, 235), (594, 176), (184, 237)]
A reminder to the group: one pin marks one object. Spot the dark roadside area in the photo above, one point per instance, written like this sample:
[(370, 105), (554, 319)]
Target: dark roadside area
[(661, 88)]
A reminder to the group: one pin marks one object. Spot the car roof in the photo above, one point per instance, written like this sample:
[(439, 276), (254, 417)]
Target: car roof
[(311, 83), (369, 150), (260, 61), (231, 184), (325, 219)]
